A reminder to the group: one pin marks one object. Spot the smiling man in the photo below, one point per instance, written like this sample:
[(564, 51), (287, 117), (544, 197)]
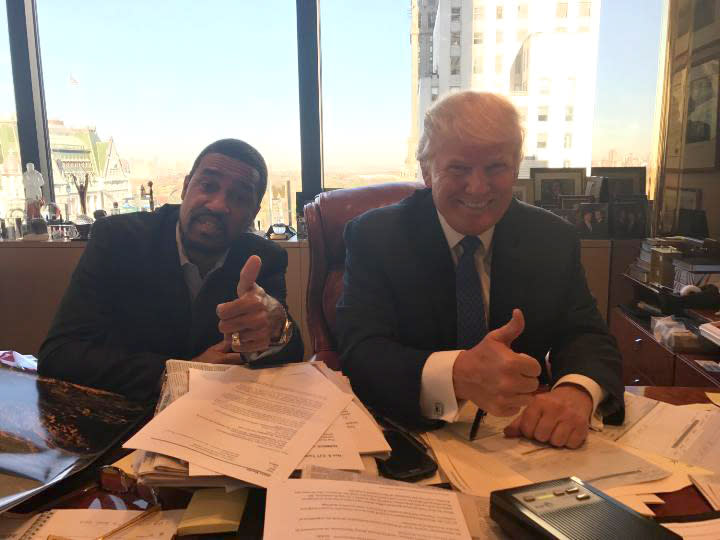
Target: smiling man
[(187, 281), (460, 292)]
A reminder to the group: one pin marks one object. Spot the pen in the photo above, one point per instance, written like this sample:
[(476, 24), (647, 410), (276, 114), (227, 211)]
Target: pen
[(479, 415)]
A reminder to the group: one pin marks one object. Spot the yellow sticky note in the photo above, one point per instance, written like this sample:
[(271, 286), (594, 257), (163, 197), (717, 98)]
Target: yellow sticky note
[(213, 510)]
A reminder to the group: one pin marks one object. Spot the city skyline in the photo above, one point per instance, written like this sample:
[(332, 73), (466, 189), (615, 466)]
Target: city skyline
[(159, 110)]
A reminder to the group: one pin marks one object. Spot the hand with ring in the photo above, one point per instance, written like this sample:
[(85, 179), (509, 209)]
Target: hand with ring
[(251, 322)]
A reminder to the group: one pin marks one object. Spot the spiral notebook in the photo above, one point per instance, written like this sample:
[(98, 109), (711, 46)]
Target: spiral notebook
[(89, 524)]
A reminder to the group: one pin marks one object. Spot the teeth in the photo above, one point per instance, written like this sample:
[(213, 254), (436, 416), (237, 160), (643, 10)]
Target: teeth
[(475, 206)]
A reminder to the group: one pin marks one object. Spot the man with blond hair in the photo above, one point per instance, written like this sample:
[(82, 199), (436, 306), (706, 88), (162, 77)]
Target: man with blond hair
[(459, 292)]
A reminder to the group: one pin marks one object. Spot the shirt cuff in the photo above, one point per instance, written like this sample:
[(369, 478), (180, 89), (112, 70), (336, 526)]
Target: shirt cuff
[(597, 394), (437, 391)]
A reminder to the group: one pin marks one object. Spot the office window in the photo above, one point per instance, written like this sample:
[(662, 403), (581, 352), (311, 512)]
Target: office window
[(434, 92), (454, 89), (477, 38), (544, 86), (455, 38), (584, 29), (584, 9), (522, 34), (569, 113), (499, 12), (560, 29), (543, 112), (431, 21), (567, 141), (567, 164), (522, 11), (498, 64), (477, 64), (542, 139), (12, 190), (498, 36), (125, 111), (455, 14), (366, 108), (562, 10), (522, 114), (478, 12), (454, 65)]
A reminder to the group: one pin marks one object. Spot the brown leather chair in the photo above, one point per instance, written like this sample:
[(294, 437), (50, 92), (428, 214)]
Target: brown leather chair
[(326, 217)]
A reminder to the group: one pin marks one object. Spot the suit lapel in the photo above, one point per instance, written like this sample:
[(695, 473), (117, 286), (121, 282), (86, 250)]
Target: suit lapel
[(510, 267), (434, 260)]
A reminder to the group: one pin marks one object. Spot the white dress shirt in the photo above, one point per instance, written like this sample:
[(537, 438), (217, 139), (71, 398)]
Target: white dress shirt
[(437, 392)]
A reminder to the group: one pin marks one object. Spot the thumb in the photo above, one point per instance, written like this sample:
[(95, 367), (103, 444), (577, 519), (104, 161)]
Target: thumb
[(510, 332), (249, 274)]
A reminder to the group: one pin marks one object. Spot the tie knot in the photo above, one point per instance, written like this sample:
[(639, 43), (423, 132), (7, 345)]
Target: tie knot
[(470, 244)]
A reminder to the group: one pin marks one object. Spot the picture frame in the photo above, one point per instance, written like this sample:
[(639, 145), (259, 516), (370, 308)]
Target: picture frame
[(592, 220), (523, 190), (701, 151), (570, 202), (628, 219), (593, 186), (550, 183), (620, 181), (685, 198)]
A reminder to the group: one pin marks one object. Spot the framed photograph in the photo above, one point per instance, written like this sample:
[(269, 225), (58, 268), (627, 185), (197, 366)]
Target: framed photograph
[(628, 219), (686, 198), (620, 182), (523, 190), (570, 202), (570, 215), (550, 184), (705, 22), (675, 119), (701, 141), (593, 186), (592, 220)]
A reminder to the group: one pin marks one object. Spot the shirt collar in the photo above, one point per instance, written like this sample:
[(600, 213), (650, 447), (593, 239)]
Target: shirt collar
[(183, 256), (453, 237)]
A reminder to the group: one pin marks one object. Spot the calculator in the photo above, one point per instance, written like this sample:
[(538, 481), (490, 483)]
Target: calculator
[(569, 509)]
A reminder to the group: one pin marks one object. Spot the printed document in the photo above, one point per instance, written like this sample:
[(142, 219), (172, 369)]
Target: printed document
[(253, 425), (335, 509)]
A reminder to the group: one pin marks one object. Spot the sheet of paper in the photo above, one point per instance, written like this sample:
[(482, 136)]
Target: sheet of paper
[(90, 524), (599, 462), (677, 433), (365, 430), (336, 448), (253, 425), (709, 486), (345, 509), (696, 530), (714, 397), (636, 407)]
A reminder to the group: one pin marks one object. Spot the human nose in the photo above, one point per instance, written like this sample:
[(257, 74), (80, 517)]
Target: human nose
[(218, 203), (478, 182)]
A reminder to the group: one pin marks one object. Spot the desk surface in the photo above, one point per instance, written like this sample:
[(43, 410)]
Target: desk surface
[(85, 494)]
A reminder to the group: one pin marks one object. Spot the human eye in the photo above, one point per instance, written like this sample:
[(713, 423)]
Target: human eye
[(497, 167), (457, 168)]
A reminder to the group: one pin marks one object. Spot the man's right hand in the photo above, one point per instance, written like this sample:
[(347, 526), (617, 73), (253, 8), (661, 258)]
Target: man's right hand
[(220, 354), (492, 376)]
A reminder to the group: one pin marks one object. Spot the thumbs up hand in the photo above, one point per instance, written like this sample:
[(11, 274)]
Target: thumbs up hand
[(493, 376), (255, 317)]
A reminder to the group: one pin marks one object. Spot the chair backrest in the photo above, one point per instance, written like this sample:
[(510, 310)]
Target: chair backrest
[(326, 217)]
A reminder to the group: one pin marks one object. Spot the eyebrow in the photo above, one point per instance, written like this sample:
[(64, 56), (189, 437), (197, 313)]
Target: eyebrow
[(212, 171)]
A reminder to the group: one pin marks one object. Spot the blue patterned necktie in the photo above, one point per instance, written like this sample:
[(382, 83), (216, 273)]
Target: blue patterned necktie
[(471, 323)]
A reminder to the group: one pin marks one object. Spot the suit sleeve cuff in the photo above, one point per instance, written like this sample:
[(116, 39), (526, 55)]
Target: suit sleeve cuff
[(597, 394), (437, 392)]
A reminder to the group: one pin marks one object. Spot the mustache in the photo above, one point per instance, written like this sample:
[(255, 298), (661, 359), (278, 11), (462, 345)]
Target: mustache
[(203, 213)]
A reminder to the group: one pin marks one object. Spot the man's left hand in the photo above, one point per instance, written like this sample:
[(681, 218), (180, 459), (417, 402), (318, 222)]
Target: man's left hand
[(257, 317), (560, 417)]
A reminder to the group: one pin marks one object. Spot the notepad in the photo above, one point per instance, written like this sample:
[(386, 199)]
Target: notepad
[(82, 524), (213, 510)]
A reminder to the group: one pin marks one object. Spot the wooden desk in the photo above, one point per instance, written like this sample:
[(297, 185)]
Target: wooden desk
[(687, 501)]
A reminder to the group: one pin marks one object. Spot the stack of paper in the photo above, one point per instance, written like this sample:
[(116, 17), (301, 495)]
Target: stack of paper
[(709, 486), (232, 426)]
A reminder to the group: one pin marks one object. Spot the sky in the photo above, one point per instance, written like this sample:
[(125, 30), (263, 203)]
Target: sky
[(165, 77)]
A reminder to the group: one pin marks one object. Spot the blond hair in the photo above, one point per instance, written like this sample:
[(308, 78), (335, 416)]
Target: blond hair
[(475, 117)]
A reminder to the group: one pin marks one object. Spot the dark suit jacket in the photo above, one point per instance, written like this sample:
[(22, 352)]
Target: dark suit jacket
[(128, 308), (399, 306)]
